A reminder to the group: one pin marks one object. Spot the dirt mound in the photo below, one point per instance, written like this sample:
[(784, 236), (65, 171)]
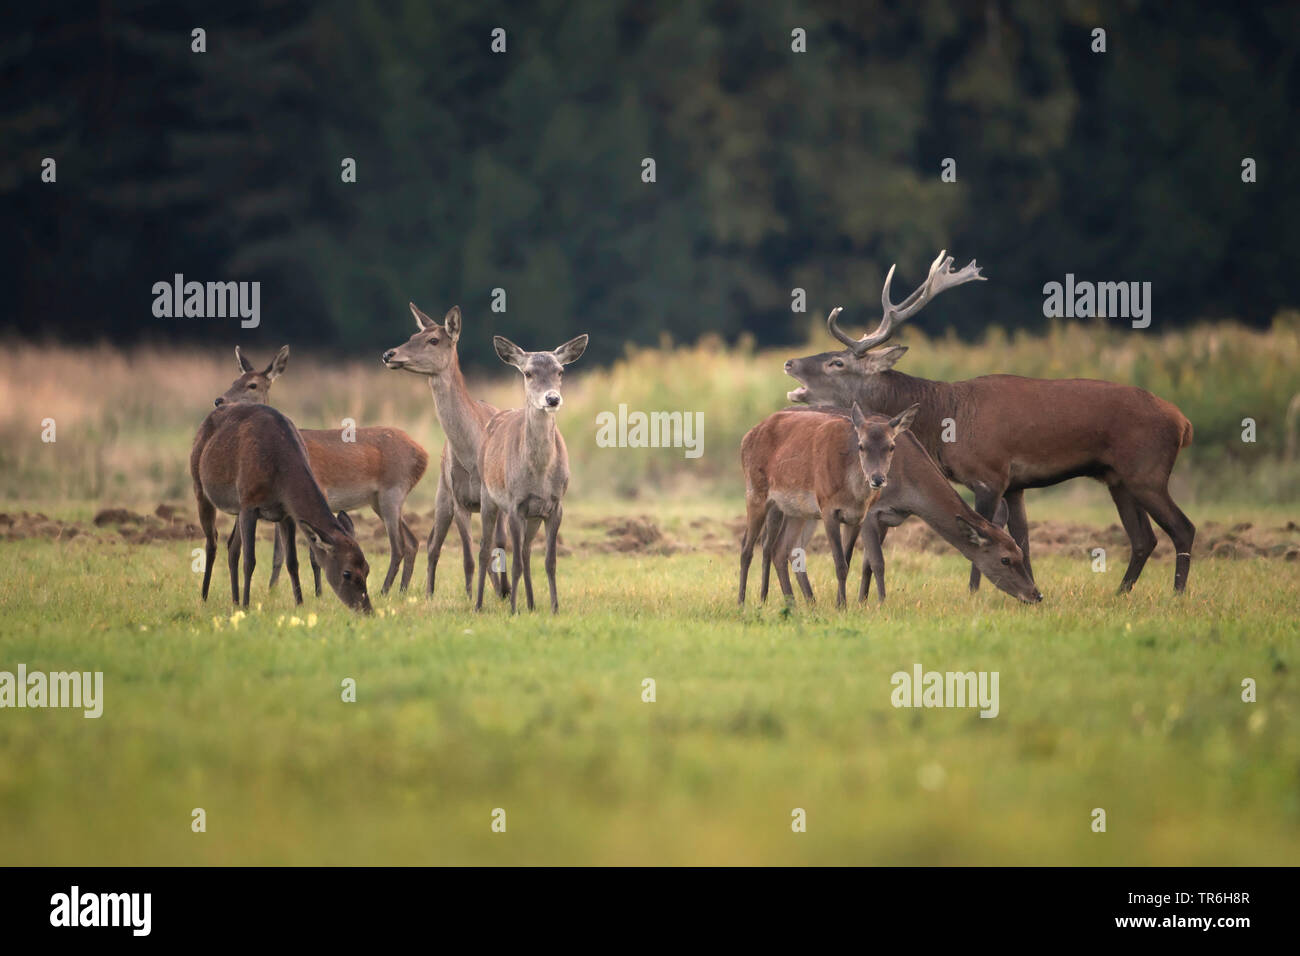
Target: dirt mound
[(642, 534), (1213, 540), (25, 524)]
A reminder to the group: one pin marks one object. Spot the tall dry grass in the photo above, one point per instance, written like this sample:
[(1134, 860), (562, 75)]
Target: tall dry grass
[(124, 419)]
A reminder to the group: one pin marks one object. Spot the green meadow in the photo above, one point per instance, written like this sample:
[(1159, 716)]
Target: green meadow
[(1129, 704)]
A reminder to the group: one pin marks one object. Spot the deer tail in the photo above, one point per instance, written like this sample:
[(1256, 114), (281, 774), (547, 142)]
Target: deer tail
[(1187, 433)]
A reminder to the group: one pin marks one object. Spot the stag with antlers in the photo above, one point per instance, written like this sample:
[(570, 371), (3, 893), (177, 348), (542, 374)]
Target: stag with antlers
[(1007, 433)]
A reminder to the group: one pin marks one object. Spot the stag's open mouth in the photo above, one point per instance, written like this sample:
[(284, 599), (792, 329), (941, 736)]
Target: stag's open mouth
[(394, 364)]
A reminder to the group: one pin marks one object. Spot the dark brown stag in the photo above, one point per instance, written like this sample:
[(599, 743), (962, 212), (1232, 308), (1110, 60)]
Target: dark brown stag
[(1006, 433), (249, 461)]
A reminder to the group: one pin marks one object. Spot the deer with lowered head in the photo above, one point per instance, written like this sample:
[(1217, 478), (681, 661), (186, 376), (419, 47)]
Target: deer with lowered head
[(815, 466), (378, 469), (525, 466), (248, 460), (432, 352), (915, 487), (1009, 433)]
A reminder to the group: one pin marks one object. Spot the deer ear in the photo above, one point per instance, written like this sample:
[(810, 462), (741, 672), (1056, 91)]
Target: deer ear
[(901, 421), (976, 536), (244, 364), (880, 360), (276, 368), (571, 350), (316, 539), (422, 321), (346, 520), (858, 418), (508, 352), (451, 322)]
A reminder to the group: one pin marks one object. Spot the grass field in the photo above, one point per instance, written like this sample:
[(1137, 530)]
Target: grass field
[(1131, 704)]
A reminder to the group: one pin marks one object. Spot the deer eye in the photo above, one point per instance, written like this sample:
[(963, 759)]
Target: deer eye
[(252, 385), (837, 364), (347, 575), (1006, 560)]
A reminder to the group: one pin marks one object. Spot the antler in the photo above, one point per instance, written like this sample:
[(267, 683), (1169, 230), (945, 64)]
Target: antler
[(941, 277)]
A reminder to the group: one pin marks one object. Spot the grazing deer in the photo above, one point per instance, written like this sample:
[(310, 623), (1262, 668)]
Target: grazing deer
[(1013, 433), (916, 487), (810, 466), (432, 352), (525, 465), (378, 469), (249, 460)]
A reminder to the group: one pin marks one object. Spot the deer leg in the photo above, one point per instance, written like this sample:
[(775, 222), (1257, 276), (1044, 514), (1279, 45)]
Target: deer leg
[(315, 569), (517, 557), (1141, 536), (489, 515), (849, 536), (1018, 523), (756, 511), (530, 531), (501, 582), (873, 557), (277, 557), (208, 521), (1158, 504), (444, 506), (390, 512), (552, 541), (288, 530), (233, 544), (801, 534), (410, 548), (248, 532), (831, 521), (461, 517), (781, 557), (772, 532), (987, 499)]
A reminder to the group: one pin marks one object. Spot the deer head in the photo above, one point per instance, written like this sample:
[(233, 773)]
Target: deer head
[(253, 386), (543, 371), (997, 556), (339, 556), (876, 443), (831, 378), (432, 349)]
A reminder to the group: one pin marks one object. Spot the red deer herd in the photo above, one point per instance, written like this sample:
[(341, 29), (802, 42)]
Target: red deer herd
[(863, 448)]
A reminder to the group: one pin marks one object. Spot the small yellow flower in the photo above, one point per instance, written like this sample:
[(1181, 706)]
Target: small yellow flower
[(279, 621), (295, 622), (311, 619), (216, 623)]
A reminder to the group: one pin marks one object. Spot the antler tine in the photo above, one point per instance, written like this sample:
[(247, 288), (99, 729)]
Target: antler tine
[(837, 331), (938, 279)]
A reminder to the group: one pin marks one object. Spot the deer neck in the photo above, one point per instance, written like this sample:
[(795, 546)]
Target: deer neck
[(889, 392), (923, 491), (539, 438), (455, 408)]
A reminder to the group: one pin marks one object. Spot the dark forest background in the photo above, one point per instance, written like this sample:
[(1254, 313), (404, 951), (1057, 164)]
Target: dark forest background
[(523, 170)]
